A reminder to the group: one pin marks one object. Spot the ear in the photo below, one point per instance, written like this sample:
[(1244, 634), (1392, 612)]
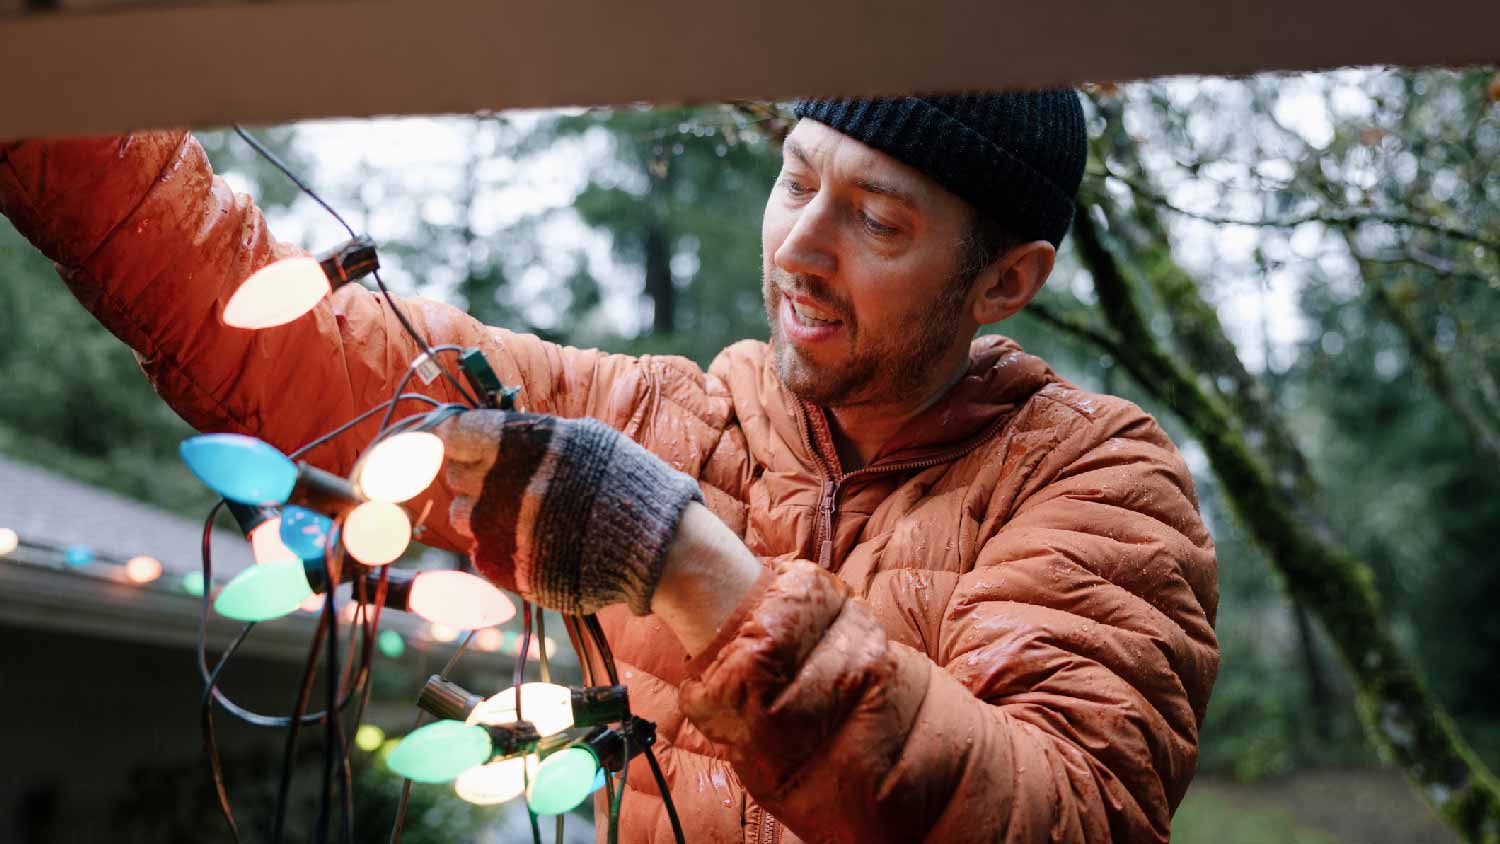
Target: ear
[(1011, 280)]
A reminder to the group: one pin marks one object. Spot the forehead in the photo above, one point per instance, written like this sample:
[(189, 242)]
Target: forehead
[(838, 157)]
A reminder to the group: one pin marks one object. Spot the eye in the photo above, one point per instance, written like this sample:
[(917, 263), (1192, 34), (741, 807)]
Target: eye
[(794, 187), (876, 227)]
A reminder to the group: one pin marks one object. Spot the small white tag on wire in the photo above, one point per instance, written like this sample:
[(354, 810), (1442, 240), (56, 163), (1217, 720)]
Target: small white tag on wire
[(427, 368)]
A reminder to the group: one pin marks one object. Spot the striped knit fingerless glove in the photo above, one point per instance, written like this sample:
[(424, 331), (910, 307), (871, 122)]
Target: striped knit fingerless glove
[(580, 513)]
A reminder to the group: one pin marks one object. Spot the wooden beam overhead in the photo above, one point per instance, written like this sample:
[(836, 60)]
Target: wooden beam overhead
[(77, 66)]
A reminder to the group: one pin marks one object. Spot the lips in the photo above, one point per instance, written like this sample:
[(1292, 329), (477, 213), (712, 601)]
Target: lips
[(805, 322)]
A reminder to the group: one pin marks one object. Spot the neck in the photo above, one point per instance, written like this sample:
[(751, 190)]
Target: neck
[(860, 430)]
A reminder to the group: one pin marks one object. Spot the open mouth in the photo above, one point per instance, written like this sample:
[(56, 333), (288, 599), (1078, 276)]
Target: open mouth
[(805, 322), (812, 316)]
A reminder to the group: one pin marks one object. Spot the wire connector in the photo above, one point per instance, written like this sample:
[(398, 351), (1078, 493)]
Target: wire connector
[(486, 383), (349, 261)]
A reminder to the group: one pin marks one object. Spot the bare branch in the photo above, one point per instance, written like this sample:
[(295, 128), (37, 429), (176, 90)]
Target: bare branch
[(1335, 219)]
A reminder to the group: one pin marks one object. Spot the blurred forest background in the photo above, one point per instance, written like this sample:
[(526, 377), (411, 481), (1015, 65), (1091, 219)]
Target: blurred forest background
[(1296, 274)]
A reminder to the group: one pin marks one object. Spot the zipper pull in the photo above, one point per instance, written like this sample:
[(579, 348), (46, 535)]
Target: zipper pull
[(826, 507)]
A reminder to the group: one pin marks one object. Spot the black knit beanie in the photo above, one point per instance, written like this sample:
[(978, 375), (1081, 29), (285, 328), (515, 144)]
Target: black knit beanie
[(1016, 157)]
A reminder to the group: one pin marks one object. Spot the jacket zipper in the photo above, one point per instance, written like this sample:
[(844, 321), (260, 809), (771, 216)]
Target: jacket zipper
[(767, 830), (834, 476)]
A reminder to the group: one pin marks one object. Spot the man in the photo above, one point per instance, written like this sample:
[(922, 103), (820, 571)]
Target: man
[(874, 582)]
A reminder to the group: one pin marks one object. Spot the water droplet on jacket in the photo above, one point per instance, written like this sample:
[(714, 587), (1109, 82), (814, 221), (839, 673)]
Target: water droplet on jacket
[(721, 786)]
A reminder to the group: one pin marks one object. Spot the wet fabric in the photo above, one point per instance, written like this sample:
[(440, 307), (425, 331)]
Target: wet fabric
[(999, 629)]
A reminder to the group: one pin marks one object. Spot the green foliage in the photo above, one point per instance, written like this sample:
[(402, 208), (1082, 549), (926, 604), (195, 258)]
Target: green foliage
[(680, 197)]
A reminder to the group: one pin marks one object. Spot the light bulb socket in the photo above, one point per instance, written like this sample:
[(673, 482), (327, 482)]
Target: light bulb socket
[(513, 738), (447, 700), (609, 744), (323, 492), (398, 583), (250, 516), (600, 705), (349, 261)]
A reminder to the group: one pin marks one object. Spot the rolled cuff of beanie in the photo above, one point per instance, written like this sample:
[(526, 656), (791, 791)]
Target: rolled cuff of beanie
[(614, 513)]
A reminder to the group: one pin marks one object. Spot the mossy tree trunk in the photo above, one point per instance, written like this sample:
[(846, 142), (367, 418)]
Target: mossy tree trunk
[(1277, 499)]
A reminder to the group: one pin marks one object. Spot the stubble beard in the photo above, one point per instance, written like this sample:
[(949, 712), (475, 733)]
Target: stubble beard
[(888, 369)]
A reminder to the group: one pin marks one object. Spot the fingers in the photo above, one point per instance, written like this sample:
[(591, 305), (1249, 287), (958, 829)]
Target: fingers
[(461, 515), (471, 437), (466, 478)]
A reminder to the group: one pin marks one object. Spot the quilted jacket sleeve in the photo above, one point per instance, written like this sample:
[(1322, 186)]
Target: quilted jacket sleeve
[(1063, 699), (153, 244)]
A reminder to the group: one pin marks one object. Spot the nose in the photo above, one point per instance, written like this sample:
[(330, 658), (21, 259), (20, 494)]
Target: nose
[(810, 247)]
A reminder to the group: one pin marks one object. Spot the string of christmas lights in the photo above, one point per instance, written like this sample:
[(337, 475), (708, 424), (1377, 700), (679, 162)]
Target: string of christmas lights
[(312, 531)]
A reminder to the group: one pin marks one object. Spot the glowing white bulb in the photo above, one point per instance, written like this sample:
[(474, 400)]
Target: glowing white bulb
[(9, 541), (265, 541), (277, 293), (312, 603), (496, 782), (400, 467), (142, 569), (459, 599), (441, 633), (377, 532), (488, 639), (548, 706)]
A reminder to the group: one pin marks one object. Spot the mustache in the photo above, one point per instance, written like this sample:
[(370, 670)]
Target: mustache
[(810, 287)]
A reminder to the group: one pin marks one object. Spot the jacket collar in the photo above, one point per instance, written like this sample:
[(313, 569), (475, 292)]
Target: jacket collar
[(1000, 379)]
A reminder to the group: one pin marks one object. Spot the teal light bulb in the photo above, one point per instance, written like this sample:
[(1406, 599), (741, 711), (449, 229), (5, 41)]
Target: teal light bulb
[(563, 780), (77, 556), (240, 468), (440, 751), (192, 583), (391, 644), (264, 592), (305, 533)]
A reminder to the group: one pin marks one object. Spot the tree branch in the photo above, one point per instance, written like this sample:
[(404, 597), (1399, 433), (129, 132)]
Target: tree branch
[(1076, 327), (1335, 219)]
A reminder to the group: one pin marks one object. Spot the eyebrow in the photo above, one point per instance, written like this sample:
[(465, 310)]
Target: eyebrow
[(901, 196), (867, 185)]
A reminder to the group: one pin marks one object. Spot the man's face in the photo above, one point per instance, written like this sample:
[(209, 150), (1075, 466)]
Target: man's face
[(861, 263)]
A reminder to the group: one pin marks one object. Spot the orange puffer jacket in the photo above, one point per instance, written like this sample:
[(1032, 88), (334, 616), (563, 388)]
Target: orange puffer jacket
[(999, 629)]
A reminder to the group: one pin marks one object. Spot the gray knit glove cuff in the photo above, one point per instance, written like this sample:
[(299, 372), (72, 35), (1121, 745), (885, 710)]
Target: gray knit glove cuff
[(583, 514)]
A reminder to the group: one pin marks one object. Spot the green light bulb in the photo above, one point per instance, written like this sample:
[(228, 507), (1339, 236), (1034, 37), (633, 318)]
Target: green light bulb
[(192, 583), (263, 592), (562, 780), (391, 644), (440, 751)]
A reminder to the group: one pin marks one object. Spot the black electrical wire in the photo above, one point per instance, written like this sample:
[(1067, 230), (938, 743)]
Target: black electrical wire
[(333, 737), (591, 623), (614, 812), (666, 795), (546, 677), (360, 418), (287, 171), (541, 634), (304, 690), (518, 676), (411, 369), (211, 742)]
